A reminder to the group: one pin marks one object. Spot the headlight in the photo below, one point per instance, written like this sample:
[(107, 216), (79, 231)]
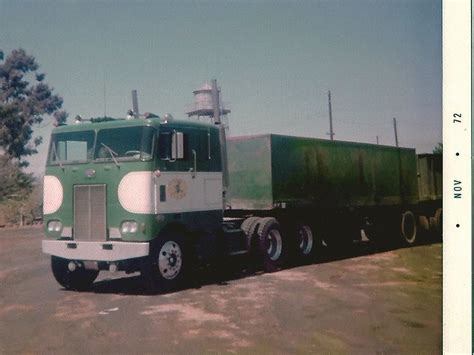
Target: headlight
[(129, 227), (54, 226)]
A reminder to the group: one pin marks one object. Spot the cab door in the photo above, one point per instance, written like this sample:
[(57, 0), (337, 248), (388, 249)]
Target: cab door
[(185, 183)]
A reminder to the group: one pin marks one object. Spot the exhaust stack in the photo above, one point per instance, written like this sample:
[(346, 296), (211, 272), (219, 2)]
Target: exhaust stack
[(217, 121), (136, 114)]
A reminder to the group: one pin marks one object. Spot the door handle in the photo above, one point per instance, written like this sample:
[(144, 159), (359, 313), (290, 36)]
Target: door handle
[(194, 168)]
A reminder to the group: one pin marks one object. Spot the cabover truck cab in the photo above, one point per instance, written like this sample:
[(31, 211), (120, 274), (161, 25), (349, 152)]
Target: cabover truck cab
[(131, 195)]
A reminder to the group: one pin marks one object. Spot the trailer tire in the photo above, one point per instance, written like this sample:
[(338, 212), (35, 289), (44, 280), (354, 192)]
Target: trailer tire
[(272, 248), (438, 223), (424, 230), (165, 269), (80, 279), (408, 228), (305, 243), (424, 224)]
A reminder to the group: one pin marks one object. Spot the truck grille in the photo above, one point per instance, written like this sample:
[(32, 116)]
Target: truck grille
[(89, 212)]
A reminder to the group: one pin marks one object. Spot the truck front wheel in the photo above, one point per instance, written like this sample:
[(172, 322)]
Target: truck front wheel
[(164, 269), (73, 277)]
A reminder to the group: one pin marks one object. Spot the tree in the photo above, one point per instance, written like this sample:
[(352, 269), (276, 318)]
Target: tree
[(14, 183), (24, 104), (438, 149)]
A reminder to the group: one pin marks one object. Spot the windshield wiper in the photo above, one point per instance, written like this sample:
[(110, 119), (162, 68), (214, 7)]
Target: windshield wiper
[(111, 152), (56, 156)]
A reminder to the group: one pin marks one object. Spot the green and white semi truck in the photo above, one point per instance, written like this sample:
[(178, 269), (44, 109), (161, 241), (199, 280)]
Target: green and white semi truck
[(155, 195)]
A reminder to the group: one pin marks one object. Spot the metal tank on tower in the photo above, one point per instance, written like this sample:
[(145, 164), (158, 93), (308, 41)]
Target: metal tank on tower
[(203, 107)]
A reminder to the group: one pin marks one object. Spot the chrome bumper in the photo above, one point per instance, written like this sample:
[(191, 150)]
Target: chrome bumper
[(95, 251)]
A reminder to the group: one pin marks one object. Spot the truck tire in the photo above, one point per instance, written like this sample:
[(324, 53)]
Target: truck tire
[(166, 267), (424, 231), (272, 248), (249, 226), (408, 228), (305, 243), (424, 224), (438, 223), (80, 279)]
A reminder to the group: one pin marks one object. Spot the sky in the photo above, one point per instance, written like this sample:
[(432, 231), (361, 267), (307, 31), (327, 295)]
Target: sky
[(274, 61)]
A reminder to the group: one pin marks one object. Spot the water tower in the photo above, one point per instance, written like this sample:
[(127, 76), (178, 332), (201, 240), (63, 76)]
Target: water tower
[(203, 106)]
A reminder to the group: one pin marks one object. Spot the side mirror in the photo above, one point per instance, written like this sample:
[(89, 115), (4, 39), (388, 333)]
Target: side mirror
[(177, 146)]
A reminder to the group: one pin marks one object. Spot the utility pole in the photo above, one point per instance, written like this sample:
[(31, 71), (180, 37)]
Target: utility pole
[(331, 132), (377, 138), (395, 130)]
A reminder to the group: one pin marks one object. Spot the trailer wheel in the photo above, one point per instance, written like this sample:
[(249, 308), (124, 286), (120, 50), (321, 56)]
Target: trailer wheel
[(165, 268), (78, 279), (307, 244), (438, 222), (424, 224), (271, 244), (408, 228)]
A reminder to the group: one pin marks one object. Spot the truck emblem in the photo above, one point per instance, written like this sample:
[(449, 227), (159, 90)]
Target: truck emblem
[(177, 188), (89, 173)]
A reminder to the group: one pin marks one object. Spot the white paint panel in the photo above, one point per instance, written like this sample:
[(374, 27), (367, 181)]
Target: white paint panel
[(139, 192), (213, 191), (52, 194), (202, 193), (136, 192)]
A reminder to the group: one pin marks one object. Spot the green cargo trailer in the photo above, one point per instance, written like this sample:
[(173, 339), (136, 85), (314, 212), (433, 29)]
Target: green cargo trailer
[(325, 191), (430, 176), (275, 171), (430, 191)]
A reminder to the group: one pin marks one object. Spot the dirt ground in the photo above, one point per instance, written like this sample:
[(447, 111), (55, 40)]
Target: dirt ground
[(366, 302)]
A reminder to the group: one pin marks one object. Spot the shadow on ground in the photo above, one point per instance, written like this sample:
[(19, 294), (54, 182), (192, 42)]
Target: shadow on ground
[(234, 269)]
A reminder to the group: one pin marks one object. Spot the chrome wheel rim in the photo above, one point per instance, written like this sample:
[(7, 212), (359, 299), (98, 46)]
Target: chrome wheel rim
[(409, 227), (170, 260), (306, 239), (274, 246)]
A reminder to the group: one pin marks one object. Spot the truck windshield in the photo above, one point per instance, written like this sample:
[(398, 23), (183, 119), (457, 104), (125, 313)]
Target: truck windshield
[(126, 143), (72, 147)]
